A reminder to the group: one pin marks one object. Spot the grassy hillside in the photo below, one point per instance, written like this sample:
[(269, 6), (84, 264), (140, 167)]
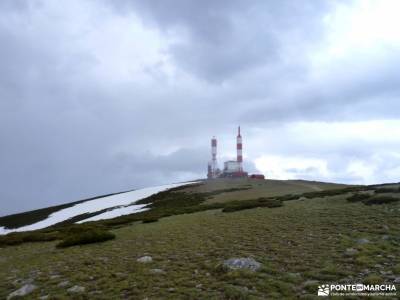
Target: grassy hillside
[(228, 190), (315, 238), (245, 189)]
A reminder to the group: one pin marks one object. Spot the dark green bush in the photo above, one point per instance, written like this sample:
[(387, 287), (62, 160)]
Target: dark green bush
[(16, 238), (380, 200), (248, 204), (358, 197), (321, 194), (150, 220), (387, 190), (86, 237), (288, 197)]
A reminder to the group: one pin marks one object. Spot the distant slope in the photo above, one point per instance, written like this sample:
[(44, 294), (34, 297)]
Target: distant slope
[(103, 207), (119, 204), (247, 188)]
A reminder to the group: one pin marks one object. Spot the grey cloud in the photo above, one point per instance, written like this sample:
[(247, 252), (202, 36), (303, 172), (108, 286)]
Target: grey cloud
[(68, 132), (219, 39)]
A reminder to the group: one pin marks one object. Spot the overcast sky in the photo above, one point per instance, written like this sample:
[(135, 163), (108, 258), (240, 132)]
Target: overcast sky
[(103, 96)]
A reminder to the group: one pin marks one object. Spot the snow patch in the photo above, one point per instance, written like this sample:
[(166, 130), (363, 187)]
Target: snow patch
[(126, 210), (122, 204)]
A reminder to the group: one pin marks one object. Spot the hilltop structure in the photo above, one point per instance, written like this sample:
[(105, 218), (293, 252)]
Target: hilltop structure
[(232, 168)]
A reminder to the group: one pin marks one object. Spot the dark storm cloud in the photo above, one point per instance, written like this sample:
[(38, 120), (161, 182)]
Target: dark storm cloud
[(77, 120), (218, 39)]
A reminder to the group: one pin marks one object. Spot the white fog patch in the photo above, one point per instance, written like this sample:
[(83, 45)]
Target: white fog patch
[(284, 167)]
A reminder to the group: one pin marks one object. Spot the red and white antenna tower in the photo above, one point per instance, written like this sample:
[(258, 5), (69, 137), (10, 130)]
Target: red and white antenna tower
[(239, 150), (214, 156)]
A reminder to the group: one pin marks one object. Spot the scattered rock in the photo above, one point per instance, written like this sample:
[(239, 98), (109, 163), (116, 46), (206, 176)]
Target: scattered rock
[(63, 283), (171, 290), (23, 291), (310, 283), (199, 286), (385, 237), (19, 282), (294, 275), (363, 241), (242, 263), (118, 275), (76, 289), (157, 271), (396, 280), (45, 297), (351, 251), (386, 272), (104, 259), (145, 259), (96, 292), (54, 276)]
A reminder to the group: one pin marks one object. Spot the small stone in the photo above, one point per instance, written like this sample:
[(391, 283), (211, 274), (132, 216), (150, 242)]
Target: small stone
[(45, 297), (385, 237), (363, 241), (199, 286), (396, 280), (351, 251), (294, 275), (54, 276), (171, 290), (310, 283), (119, 275), (63, 283), (23, 291), (157, 271), (76, 289), (242, 263), (145, 259)]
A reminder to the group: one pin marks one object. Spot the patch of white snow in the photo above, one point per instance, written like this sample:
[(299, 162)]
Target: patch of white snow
[(124, 199)]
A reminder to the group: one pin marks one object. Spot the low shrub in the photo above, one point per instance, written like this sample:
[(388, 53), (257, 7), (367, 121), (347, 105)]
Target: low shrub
[(288, 197), (150, 220), (16, 238), (380, 200), (321, 194), (387, 190), (358, 197), (248, 204), (86, 237)]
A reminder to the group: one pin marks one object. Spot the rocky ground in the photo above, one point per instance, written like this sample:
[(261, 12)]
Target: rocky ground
[(259, 253)]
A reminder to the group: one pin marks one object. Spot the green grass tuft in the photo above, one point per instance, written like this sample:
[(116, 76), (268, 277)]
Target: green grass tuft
[(358, 197), (88, 236), (380, 200), (249, 204)]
